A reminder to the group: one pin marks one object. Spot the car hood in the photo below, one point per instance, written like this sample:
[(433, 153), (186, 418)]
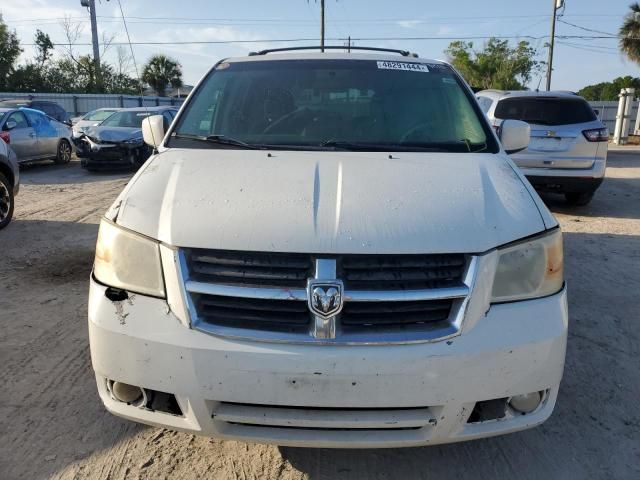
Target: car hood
[(112, 134), (329, 202)]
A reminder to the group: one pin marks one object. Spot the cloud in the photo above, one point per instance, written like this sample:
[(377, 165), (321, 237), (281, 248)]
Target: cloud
[(445, 30), (410, 24)]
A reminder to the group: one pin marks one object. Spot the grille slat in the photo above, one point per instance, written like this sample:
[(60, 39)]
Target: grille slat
[(395, 313), (249, 273), (254, 261), (238, 312), (253, 304), (251, 269), (367, 308), (401, 272), (402, 261)]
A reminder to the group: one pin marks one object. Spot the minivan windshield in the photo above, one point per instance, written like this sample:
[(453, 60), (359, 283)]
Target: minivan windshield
[(545, 110), (333, 104)]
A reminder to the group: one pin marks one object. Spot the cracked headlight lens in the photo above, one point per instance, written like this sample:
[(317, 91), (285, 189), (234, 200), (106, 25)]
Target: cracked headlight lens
[(128, 261), (529, 269)]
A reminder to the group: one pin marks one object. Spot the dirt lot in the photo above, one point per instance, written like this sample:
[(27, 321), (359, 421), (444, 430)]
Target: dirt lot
[(52, 423)]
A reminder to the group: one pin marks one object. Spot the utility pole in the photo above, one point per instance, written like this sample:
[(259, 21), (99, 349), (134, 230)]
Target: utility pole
[(556, 5), (91, 5), (321, 25)]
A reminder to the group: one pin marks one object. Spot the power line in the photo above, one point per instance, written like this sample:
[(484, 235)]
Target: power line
[(585, 28), (315, 39), (360, 39), (587, 49)]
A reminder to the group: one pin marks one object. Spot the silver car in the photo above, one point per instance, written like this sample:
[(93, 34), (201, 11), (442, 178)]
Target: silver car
[(568, 148), (33, 135)]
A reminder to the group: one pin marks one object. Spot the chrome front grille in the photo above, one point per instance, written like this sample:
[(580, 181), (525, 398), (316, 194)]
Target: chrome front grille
[(386, 298)]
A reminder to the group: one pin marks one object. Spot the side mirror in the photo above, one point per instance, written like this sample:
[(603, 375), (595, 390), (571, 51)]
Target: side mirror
[(514, 135), (153, 130), (10, 125)]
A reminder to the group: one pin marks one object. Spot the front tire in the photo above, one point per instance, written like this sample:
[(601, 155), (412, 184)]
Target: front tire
[(6, 201), (64, 152), (578, 199)]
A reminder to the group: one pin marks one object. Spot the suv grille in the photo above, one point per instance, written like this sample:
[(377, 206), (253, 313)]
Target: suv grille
[(259, 295)]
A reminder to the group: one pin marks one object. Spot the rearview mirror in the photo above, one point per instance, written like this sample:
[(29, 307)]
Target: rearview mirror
[(153, 130), (10, 125), (514, 135)]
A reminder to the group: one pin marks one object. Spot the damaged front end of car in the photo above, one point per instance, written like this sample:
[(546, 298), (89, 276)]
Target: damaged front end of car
[(97, 152)]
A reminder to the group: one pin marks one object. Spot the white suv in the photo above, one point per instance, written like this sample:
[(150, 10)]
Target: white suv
[(568, 149), (330, 250)]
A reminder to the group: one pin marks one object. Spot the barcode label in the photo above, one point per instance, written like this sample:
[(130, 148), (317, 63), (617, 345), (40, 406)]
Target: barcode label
[(410, 67)]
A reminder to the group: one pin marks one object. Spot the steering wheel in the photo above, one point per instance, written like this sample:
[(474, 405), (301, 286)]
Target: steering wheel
[(287, 116), (416, 128)]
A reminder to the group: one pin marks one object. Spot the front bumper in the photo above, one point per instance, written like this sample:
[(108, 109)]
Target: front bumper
[(240, 390), (109, 155)]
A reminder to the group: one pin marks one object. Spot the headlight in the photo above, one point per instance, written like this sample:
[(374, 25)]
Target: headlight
[(128, 261), (529, 269)]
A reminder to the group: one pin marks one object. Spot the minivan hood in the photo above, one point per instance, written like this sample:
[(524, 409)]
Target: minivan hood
[(329, 202)]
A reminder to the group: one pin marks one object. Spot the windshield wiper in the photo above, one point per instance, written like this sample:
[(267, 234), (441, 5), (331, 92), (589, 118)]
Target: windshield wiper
[(455, 146), (219, 140), (353, 145)]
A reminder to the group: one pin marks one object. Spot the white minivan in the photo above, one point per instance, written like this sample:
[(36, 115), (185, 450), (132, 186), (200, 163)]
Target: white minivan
[(330, 250)]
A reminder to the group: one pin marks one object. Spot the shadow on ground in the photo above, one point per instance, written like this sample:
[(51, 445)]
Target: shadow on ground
[(47, 172)]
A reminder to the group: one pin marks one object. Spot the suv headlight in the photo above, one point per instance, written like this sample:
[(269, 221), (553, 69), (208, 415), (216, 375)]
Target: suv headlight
[(529, 269), (128, 261)]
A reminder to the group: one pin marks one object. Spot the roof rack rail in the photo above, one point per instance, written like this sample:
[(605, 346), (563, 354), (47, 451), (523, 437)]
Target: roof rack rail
[(404, 53)]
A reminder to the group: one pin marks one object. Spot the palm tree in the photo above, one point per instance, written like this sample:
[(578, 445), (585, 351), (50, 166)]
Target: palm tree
[(630, 33), (160, 71)]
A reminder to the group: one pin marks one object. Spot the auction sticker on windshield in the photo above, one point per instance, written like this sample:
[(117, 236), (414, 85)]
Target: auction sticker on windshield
[(412, 67)]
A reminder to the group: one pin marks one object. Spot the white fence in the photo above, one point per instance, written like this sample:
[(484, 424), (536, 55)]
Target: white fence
[(607, 112), (79, 104)]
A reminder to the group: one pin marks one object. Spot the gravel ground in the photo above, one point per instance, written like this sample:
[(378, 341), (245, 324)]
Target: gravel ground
[(52, 424)]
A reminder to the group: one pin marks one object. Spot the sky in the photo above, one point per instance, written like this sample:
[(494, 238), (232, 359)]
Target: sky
[(577, 62)]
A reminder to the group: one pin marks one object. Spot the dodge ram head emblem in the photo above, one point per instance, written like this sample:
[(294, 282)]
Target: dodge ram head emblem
[(325, 298)]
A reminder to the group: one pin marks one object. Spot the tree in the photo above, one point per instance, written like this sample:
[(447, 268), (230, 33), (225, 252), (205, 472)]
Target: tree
[(44, 47), (498, 65), (9, 52), (160, 72), (630, 33), (609, 90), (70, 73)]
